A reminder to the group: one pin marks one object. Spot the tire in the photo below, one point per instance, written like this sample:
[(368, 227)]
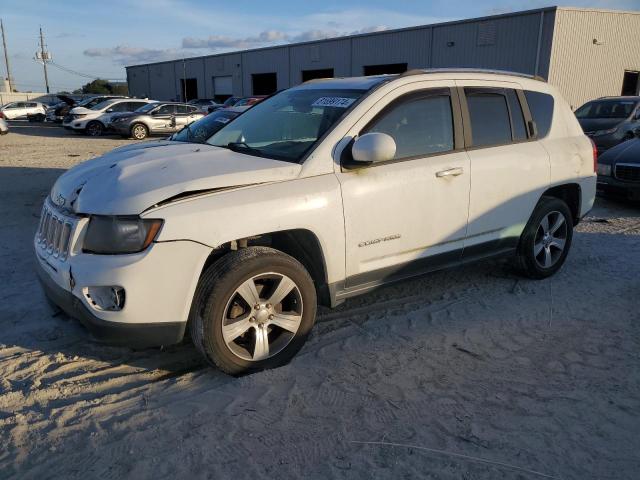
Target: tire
[(139, 131), (217, 305), (94, 129), (546, 239)]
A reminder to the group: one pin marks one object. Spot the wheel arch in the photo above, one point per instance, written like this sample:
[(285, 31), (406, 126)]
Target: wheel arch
[(571, 194), (300, 243)]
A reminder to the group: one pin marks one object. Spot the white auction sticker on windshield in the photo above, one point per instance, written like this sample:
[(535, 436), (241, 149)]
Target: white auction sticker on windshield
[(222, 120), (339, 102)]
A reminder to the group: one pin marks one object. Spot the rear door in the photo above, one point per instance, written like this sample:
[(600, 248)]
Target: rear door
[(509, 168)]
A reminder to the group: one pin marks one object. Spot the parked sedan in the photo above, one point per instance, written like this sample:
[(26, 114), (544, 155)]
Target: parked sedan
[(205, 104), (15, 110), (155, 119), (610, 121), (94, 121), (58, 112), (200, 131), (619, 170)]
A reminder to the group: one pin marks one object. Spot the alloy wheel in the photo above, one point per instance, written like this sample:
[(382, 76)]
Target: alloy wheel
[(550, 239), (262, 316)]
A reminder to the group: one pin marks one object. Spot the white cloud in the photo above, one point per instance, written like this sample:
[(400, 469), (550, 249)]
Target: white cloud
[(125, 55)]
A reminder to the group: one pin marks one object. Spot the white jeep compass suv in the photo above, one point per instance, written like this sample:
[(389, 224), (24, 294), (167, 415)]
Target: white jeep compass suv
[(319, 193)]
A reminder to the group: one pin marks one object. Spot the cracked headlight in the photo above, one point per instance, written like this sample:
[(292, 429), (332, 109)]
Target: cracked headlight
[(116, 235)]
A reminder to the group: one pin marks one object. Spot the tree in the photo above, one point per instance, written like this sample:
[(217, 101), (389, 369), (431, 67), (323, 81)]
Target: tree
[(101, 86)]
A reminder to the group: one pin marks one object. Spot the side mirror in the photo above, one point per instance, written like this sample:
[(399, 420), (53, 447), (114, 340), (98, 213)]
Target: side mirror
[(373, 147), (109, 110)]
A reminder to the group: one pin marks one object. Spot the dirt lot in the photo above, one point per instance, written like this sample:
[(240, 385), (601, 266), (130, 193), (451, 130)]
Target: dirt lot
[(470, 373)]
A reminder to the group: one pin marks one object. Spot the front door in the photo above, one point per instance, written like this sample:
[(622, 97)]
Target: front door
[(408, 215), (164, 119)]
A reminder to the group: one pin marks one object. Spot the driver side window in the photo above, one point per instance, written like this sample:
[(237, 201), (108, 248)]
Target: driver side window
[(420, 125)]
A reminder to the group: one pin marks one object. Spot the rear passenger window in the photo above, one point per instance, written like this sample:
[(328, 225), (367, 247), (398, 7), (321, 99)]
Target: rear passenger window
[(420, 126), (490, 124), (541, 108), (517, 117)]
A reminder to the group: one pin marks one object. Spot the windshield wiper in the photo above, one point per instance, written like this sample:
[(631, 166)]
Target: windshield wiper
[(242, 146)]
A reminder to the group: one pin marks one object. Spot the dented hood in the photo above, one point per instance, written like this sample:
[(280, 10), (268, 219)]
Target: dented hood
[(128, 181)]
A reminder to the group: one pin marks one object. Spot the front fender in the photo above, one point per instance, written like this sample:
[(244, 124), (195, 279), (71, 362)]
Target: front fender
[(313, 204)]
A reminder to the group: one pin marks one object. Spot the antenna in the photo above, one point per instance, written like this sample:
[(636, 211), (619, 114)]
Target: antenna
[(6, 57), (44, 57)]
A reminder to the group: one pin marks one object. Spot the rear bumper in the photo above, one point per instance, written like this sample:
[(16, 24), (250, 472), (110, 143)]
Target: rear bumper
[(138, 335)]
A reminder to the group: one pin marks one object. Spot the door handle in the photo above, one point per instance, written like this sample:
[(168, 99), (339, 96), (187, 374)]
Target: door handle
[(450, 172)]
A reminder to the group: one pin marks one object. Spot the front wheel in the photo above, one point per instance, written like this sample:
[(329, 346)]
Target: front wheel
[(94, 129), (546, 239), (253, 310)]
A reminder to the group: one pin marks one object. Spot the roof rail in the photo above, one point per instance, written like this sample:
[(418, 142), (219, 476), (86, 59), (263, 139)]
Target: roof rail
[(420, 71)]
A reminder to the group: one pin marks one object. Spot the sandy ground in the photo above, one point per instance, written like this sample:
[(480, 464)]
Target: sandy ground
[(470, 373)]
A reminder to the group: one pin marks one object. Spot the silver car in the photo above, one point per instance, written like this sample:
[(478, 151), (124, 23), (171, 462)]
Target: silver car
[(155, 119)]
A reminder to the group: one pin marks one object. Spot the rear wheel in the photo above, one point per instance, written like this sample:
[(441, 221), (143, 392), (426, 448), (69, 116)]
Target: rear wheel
[(253, 309), (139, 131), (94, 129), (546, 240)]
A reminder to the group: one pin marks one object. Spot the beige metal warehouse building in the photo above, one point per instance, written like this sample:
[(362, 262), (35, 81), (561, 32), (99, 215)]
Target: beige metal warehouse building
[(587, 53)]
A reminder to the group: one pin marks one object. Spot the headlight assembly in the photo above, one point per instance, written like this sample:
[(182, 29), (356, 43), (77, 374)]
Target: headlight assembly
[(111, 235)]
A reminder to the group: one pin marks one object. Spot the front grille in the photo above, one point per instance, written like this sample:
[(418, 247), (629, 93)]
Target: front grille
[(54, 232), (628, 172)]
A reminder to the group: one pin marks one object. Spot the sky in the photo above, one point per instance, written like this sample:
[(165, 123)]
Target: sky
[(97, 39)]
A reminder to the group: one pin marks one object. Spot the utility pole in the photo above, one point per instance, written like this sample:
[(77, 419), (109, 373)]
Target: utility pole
[(6, 58), (44, 56)]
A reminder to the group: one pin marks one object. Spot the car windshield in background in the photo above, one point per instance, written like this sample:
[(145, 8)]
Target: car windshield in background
[(606, 109), (101, 105), (287, 125), (200, 131), (146, 108)]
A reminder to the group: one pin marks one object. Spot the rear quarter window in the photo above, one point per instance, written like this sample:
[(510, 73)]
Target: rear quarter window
[(541, 108)]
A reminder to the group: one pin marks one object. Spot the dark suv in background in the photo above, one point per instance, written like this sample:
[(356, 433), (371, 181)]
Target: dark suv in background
[(610, 120)]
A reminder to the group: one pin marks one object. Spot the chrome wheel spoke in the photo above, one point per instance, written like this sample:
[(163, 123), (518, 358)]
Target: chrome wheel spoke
[(249, 292), (284, 288), (234, 330), (545, 224), (261, 349), (557, 243), (537, 248), (289, 323), (547, 257), (557, 224)]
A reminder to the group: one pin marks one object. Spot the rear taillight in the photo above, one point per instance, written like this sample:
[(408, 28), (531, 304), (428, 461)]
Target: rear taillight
[(595, 156), (1, 115)]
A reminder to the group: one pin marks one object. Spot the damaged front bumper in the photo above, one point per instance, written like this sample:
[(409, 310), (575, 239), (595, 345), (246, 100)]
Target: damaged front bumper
[(137, 335), (156, 285)]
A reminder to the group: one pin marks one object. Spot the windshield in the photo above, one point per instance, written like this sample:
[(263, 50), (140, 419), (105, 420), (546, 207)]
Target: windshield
[(606, 109), (102, 105), (287, 125), (200, 131), (147, 108), (230, 102)]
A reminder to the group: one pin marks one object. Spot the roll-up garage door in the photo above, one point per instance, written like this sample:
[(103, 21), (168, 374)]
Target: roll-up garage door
[(223, 85)]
